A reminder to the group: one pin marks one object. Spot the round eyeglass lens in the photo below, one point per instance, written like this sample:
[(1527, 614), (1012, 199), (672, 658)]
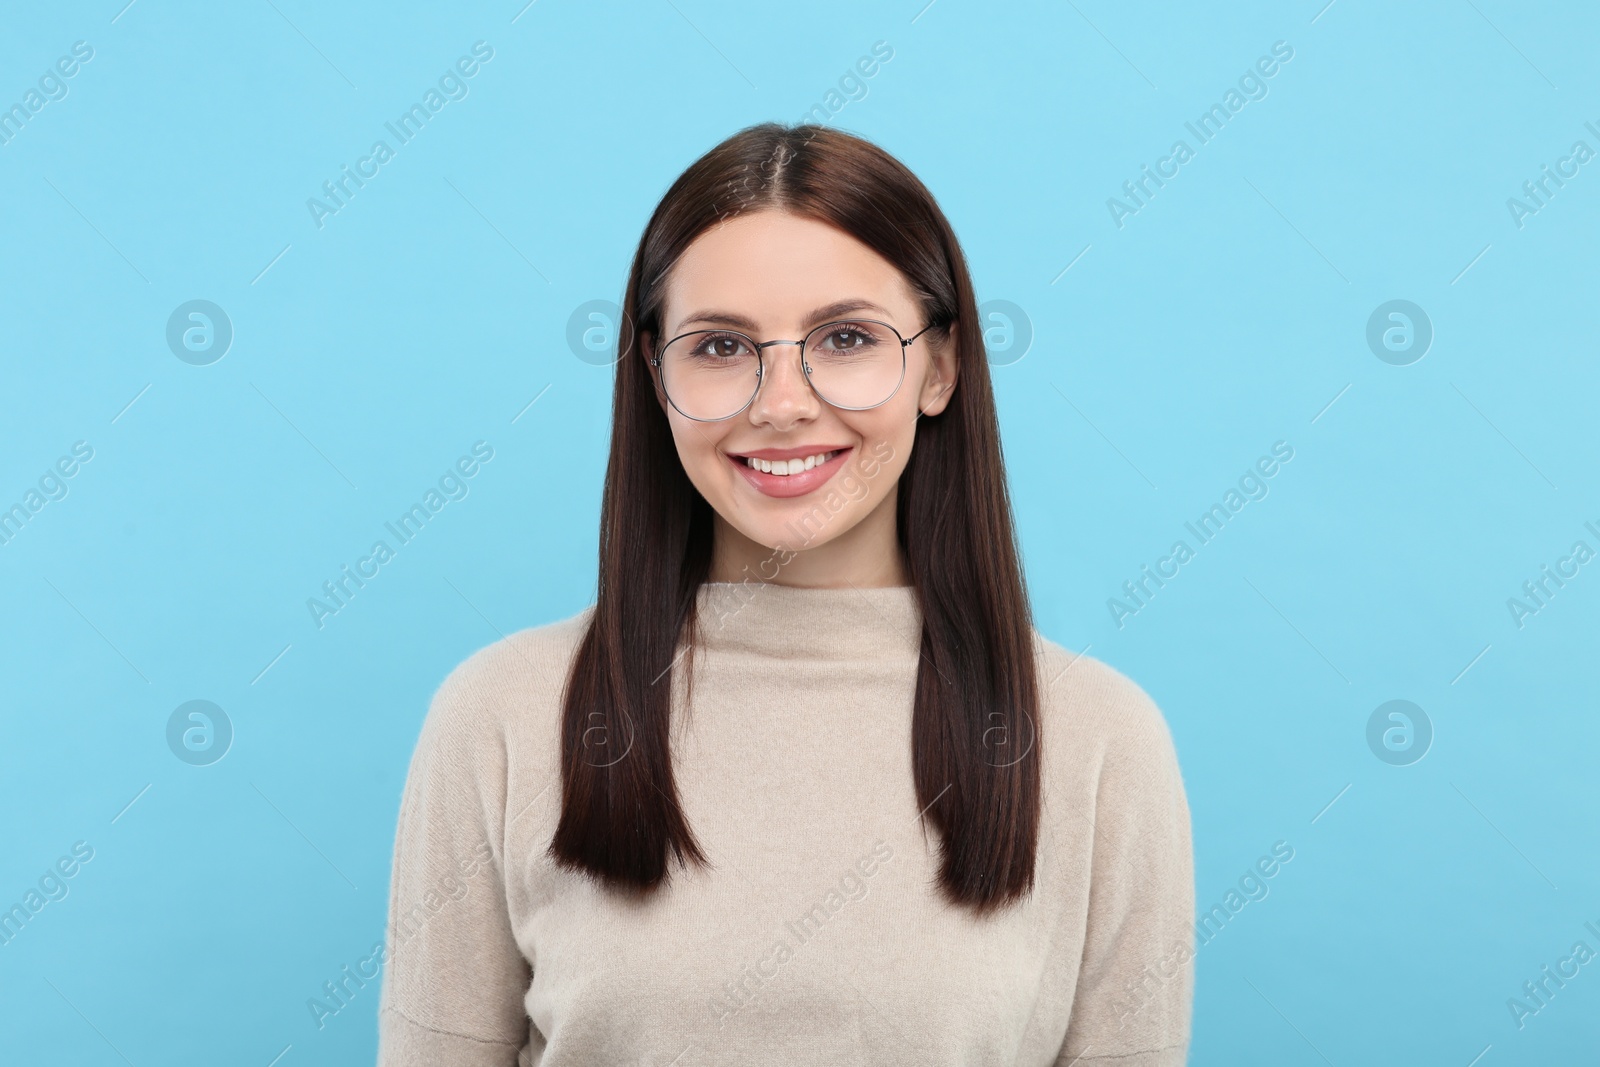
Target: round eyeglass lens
[(711, 374), (856, 364)]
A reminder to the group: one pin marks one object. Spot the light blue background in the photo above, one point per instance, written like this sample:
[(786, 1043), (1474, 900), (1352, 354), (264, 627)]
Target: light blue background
[(1228, 314)]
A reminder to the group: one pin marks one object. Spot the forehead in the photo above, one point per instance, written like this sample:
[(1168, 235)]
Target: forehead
[(775, 268)]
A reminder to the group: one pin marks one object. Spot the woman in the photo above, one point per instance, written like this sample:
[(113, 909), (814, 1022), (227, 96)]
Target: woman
[(803, 786)]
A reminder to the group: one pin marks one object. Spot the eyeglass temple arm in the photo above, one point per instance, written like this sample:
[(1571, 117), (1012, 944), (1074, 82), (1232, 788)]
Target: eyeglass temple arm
[(907, 342)]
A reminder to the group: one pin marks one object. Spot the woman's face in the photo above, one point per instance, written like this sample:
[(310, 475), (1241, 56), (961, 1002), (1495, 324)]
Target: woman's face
[(771, 275)]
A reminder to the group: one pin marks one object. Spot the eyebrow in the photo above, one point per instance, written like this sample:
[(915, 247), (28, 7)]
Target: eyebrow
[(817, 317)]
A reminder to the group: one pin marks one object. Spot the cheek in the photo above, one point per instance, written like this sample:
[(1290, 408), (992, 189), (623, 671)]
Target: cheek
[(884, 451), (897, 424)]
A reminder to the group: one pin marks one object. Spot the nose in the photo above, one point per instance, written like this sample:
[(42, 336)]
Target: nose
[(784, 396)]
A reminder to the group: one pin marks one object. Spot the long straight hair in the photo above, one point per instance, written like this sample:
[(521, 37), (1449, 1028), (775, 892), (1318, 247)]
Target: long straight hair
[(975, 729)]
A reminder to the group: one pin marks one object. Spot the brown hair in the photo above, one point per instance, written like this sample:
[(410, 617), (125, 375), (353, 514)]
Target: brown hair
[(976, 692)]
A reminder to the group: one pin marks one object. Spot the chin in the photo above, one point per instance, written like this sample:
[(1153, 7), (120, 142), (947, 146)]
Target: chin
[(786, 531), (822, 518)]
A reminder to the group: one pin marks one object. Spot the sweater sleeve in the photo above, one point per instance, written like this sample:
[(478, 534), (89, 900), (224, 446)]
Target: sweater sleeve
[(455, 979), (1134, 993)]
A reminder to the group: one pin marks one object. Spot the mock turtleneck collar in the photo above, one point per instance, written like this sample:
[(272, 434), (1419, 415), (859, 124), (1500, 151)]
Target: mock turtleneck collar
[(794, 622)]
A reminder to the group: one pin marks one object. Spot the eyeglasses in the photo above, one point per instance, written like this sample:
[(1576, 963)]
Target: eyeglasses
[(852, 364)]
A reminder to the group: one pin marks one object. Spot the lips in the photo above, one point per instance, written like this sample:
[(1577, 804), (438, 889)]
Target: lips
[(784, 486)]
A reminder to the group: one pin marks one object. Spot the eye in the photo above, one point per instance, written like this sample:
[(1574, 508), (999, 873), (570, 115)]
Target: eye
[(845, 336), (721, 346)]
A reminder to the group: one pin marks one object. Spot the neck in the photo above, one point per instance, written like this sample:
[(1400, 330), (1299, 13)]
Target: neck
[(788, 622), (865, 555)]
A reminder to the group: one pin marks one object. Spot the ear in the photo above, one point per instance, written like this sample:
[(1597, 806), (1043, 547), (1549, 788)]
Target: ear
[(941, 378)]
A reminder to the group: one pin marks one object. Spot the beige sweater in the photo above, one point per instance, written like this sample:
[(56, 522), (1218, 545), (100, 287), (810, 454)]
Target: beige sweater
[(818, 938)]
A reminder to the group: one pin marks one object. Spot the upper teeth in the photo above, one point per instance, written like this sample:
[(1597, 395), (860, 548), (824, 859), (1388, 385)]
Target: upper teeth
[(788, 466)]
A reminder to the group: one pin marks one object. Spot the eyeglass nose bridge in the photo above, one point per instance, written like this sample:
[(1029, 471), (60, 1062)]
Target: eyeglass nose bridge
[(761, 366), (761, 371)]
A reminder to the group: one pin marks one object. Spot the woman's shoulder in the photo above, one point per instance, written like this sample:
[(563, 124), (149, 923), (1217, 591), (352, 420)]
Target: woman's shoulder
[(1110, 768), (1097, 713), (511, 678)]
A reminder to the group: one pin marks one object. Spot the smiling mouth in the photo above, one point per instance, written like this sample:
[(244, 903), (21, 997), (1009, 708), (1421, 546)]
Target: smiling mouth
[(785, 468), (790, 476)]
